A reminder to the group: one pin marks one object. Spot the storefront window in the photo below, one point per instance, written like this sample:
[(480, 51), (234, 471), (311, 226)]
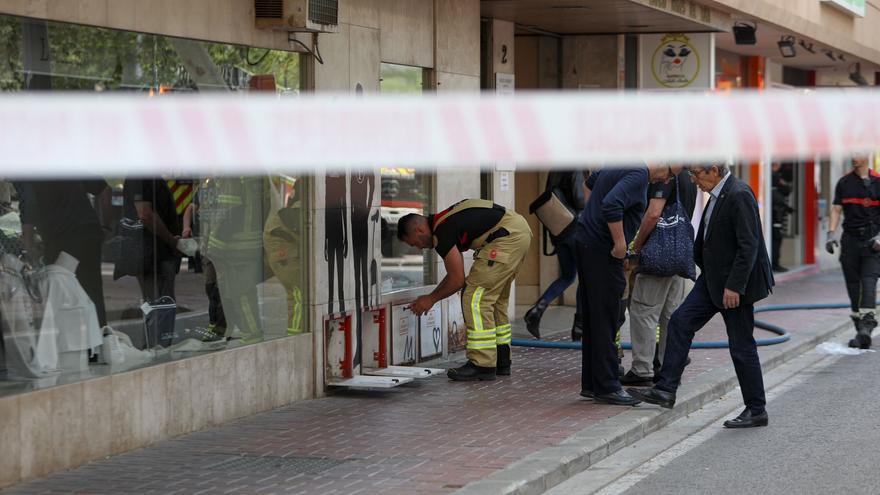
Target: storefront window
[(404, 190), (105, 274)]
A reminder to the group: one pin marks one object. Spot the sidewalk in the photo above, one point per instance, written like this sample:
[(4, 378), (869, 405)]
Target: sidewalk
[(522, 433)]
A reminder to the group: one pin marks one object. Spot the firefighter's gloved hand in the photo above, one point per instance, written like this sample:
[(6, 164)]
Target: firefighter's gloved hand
[(188, 247), (831, 242)]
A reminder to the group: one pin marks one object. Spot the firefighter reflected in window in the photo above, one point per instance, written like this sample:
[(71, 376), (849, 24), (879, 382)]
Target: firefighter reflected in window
[(216, 318), (363, 187), (336, 236), (781, 190), (282, 239), (232, 228)]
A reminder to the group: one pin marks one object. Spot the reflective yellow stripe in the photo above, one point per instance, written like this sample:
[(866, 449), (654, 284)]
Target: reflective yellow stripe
[(475, 309), (481, 333), (296, 319), (481, 345), (229, 199), (502, 335)]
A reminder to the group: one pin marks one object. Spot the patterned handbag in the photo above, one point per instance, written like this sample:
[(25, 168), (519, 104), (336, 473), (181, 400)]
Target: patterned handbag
[(670, 248)]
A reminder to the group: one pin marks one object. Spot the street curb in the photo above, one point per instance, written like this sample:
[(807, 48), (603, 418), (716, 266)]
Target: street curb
[(546, 468)]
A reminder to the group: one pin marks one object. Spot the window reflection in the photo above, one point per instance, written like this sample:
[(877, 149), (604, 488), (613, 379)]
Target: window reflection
[(105, 274), (403, 190)]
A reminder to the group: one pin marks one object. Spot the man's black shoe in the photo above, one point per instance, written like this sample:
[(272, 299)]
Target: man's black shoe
[(470, 372), (861, 341), (780, 269), (619, 398), (588, 394), (747, 419), (577, 333), (656, 396), (630, 378)]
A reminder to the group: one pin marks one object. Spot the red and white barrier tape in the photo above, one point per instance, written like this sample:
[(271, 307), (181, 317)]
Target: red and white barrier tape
[(70, 134)]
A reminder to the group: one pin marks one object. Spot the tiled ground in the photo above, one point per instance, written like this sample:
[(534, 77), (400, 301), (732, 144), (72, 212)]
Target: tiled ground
[(430, 437)]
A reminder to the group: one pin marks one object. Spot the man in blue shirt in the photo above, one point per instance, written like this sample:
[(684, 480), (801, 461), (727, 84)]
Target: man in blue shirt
[(611, 217)]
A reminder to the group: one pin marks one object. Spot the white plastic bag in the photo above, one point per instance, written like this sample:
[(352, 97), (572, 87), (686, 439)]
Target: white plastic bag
[(111, 348)]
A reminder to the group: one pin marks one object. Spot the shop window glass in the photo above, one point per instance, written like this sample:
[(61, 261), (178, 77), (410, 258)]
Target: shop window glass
[(404, 190), (134, 270)]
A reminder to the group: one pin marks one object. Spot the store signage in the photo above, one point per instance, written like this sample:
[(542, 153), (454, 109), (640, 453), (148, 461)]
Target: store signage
[(692, 11), (854, 7), (676, 61)]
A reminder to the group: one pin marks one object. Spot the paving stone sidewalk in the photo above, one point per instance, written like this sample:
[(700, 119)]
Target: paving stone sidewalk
[(430, 437)]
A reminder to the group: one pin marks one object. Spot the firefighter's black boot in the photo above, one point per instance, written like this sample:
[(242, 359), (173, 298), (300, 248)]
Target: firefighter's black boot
[(533, 318), (864, 327), (577, 329), (470, 372), (503, 365)]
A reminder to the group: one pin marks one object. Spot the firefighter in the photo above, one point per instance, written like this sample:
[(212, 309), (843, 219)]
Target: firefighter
[(500, 239), (232, 209), (282, 239), (857, 196)]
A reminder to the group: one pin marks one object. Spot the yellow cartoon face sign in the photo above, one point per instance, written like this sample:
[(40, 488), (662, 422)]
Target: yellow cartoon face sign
[(675, 62)]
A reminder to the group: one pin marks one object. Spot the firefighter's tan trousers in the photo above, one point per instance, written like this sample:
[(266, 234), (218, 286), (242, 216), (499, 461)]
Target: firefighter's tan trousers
[(487, 290)]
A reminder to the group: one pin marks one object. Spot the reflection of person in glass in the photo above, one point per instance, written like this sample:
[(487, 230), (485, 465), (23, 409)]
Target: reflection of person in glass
[(336, 232), (216, 318), (151, 201), (780, 192), (233, 208), (282, 240), (65, 220)]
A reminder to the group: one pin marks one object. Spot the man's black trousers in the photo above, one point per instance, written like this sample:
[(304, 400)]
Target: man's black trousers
[(602, 285), (861, 267), (696, 310)]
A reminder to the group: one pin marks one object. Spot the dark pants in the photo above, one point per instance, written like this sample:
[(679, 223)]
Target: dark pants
[(777, 244), (861, 268), (335, 254), (158, 283), (602, 285), (696, 310), (216, 316), (87, 250), (568, 268)]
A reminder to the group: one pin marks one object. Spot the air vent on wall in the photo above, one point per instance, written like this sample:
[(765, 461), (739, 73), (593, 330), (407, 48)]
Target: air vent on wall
[(269, 9), (324, 11), (316, 16)]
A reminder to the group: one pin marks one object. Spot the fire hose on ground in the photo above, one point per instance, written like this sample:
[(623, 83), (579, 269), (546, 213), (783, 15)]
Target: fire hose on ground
[(783, 335)]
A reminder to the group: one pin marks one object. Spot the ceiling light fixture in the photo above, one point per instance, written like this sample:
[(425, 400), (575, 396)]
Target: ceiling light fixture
[(786, 46), (855, 75), (744, 33), (806, 46)]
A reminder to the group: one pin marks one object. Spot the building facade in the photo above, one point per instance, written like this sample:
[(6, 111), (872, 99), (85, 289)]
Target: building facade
[(300, 284)]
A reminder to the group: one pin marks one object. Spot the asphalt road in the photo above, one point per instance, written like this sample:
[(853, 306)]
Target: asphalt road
[(823, 438)]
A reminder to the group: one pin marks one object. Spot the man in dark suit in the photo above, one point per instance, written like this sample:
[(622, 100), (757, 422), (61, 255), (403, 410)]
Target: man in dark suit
[(735, 273)]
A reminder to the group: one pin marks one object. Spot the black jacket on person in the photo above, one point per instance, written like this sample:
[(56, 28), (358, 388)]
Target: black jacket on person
[(733, 254)]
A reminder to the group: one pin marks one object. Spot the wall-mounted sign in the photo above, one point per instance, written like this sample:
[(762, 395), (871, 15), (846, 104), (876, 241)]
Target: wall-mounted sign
[(692, 10), (854, 7), (504, 83), (676, 60)]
